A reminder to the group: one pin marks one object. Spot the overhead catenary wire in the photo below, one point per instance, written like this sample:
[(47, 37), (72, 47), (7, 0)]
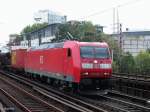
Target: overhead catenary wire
[(108, 9)]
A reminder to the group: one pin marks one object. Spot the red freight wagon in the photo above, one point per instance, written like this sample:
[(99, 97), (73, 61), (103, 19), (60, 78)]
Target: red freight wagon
[(18, 58)]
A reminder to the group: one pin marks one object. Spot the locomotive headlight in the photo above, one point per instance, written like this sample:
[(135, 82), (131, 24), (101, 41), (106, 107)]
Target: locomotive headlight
[(105, 66), (87, 65), (95, 61)]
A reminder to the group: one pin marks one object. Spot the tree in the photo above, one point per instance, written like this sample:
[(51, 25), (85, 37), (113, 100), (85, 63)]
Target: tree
[(115, 67), (148, 50), (30, 28), (127, 64), (143, 62), (79, 30)]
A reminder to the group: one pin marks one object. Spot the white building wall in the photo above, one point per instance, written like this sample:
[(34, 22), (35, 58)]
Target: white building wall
[(41, 17), (24, 43), (135, 46), (47, 39), (35, 42), (49, 17)]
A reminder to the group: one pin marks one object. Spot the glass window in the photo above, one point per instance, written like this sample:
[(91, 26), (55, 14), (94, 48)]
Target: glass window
[(101, 52), (94, 52), (87, 52)]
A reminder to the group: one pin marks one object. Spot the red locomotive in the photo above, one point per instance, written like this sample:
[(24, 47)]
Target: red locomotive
[(69, 63)]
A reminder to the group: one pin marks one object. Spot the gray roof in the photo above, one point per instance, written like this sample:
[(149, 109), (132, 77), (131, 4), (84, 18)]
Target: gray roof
[(50, 25), (134, 33), (48, 46)]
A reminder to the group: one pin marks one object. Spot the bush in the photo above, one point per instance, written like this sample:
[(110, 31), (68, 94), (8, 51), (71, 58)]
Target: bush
[(143, 63)]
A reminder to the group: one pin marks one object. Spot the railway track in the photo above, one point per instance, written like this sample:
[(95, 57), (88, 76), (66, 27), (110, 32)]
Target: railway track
[(133, 85), (113, 102), (76, 105), (145, 78), (117, 102), (25, 100), (125, 103), (7, 105)]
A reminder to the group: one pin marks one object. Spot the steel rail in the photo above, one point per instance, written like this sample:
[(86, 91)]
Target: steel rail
[(78, 103), (20, 104), (127, 104)]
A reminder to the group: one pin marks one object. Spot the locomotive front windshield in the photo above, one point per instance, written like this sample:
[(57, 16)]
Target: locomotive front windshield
[(94, 52)]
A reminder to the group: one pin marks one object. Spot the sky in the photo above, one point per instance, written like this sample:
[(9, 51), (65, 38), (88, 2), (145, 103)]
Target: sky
[(16, 14)]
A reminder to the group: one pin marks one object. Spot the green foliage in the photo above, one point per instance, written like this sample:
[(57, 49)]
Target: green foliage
[(33, 27), (115, 67), (143, 63), (139, 64), (148, 50), (81, 31), (127, 63)]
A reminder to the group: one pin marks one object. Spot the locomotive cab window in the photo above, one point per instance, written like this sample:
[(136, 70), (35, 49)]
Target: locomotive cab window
[(69, 52), (94, 52)]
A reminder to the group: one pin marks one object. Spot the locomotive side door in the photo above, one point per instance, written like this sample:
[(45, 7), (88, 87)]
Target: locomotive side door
[(67, 58)]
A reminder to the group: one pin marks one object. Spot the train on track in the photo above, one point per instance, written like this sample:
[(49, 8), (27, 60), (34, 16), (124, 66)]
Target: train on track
[(4, 59), (72, 64)]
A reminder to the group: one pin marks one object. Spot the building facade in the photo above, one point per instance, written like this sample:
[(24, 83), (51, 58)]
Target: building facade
[(47, 34), (41, 36), (50, 17), (133, 41), (14, 39)]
